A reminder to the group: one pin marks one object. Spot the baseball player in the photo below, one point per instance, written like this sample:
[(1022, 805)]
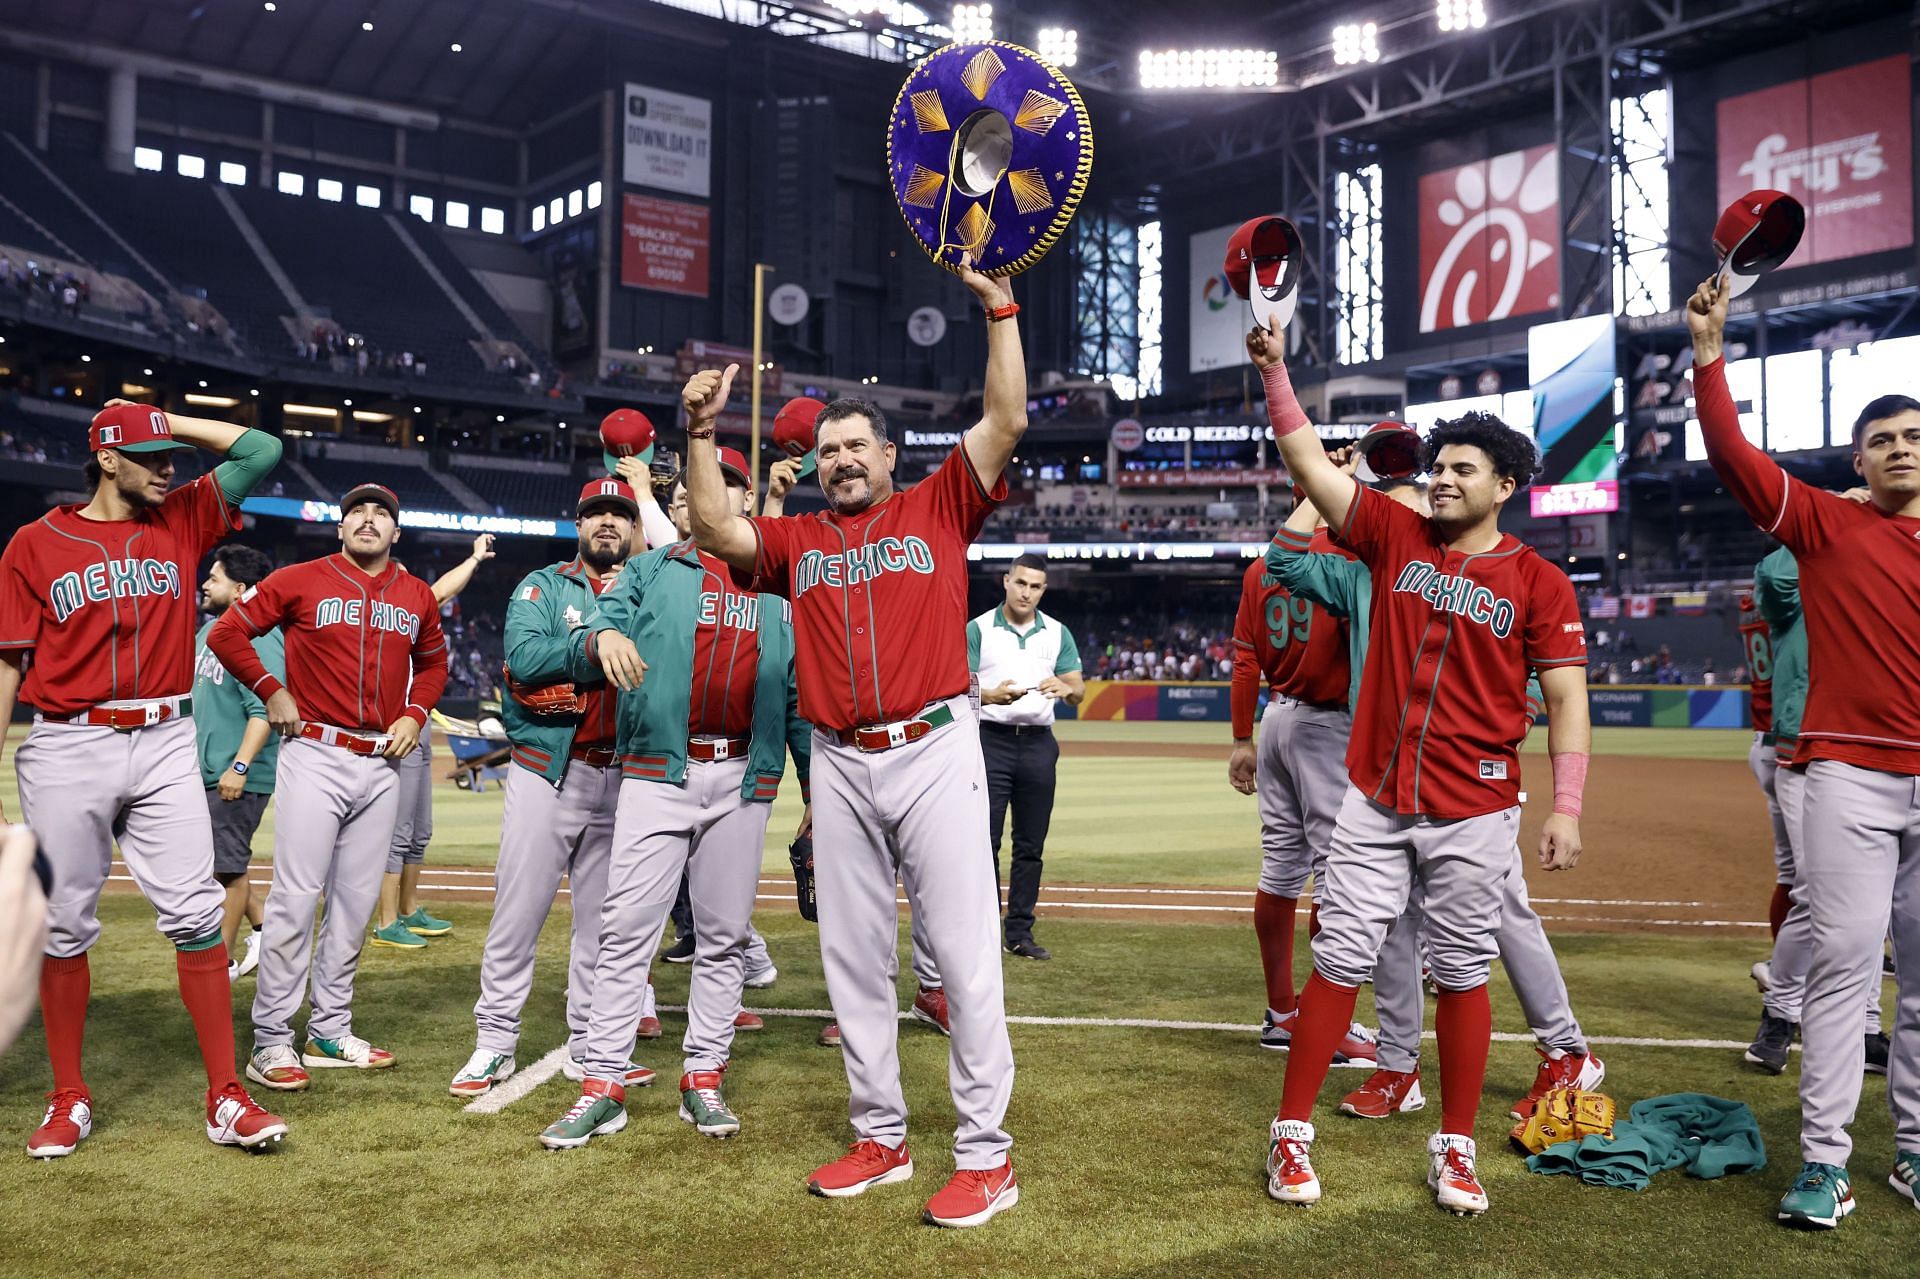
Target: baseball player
[(98, 595), (1757, 643), (1858, 860), (402, 922), (1344, 587), (879, 590), (1296, 772), (359, 628), (236, 748), (1776, 582), (561, 792), (1460, 614), (704, 729)]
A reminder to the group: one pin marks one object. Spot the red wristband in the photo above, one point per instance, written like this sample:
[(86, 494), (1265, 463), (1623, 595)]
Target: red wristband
[(1006, 312), (699, 433), (1569, 782), (1283, 408)]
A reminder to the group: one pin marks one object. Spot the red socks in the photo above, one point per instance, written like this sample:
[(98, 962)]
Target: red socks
[(1776, 909), (208, 995), (1273, 918), (1326, 1010), (64, 987), (1463, 1024)]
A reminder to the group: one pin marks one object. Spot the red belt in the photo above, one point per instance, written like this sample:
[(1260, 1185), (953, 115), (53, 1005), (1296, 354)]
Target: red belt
[(352, 743), (716, 749), (594, 756), (885, 737), (127, 718)]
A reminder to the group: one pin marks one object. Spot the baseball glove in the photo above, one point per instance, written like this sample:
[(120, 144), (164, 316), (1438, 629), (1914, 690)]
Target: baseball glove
[(800, 853), (1565, 1114), (660, 474), (545, 701)]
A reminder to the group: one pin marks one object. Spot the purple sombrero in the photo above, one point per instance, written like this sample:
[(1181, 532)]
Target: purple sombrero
[(988, 151)]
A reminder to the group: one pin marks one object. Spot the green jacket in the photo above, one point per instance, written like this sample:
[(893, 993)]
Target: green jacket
[(1776, 592), (222, 705), (1344, 588), (654, 602), (547, 608)]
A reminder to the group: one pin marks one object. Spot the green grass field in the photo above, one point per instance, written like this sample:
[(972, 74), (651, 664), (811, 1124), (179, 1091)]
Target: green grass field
[(1139, 1148)]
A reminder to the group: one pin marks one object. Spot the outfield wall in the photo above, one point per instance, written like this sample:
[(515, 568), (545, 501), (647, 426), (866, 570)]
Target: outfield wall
[(1614, 705)]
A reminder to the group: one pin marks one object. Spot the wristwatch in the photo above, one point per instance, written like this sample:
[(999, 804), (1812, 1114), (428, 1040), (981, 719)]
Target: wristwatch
[(240, 767)]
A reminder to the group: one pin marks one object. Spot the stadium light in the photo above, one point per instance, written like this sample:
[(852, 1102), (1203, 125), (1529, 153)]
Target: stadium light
[(1356, 42), (594, 192), (234, 175), (539, 217), (576, 201), (366, 26), (493, 221), (331, 190), (556, 209), (456, 48), (972, 23), (367, 197), (270, 6), (190, 166), (457, 215), (1059, 46), (1209, 68), (1461, 15), (421, 206), (290, 183), (149, 158)]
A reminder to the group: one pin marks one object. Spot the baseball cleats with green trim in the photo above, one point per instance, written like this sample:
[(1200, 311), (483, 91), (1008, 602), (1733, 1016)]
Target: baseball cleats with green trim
[(236, 1119), (1290, 1175), (702, 1105), (1818, 1199), (600, 1111), (424, 925), (482, 1071), (973, 1197), (68, 1122), (1452, 1177), (277, 1067), (348, 1051), (397, 936), (1905, 1177)]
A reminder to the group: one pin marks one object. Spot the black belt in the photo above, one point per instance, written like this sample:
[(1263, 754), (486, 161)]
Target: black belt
[(1015, 730)]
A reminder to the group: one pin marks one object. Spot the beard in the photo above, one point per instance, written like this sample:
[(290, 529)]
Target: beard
[(854, 501), (599, 560)]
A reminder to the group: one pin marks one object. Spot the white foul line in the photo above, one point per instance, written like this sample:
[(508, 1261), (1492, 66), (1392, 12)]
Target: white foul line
[(500, 1096)]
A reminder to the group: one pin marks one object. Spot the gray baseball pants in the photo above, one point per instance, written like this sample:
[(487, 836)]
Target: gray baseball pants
[(917, 813), (1301, 779), (413, 821), (1793, 948), (705, 829), (1860, 871), (546, 832), (332, 827)]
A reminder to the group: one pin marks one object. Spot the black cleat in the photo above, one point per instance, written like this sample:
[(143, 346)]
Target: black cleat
[(1770, 1044), (1028, 949)]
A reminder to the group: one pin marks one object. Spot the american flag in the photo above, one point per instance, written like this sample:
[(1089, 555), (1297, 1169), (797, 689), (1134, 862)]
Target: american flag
[(1601, 607)]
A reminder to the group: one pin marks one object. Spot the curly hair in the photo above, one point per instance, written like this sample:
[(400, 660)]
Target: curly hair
[(1513, 454)]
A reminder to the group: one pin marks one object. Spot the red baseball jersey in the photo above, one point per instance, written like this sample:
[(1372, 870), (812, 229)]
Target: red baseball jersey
[(879, 598), (1298, 647), (726, 654), (1757, 642), (353, 642), (1859, 591), (1443, 699), (107, 607), (600, 716)]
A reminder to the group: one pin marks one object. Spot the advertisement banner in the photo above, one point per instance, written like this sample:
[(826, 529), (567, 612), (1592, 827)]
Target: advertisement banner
[(1217, 320), (1490, 239), (1841, 143), (669, 141), (1202, 478), (663, 246)]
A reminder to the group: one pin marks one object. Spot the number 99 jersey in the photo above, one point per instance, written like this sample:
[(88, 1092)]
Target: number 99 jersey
[(1301, 648)]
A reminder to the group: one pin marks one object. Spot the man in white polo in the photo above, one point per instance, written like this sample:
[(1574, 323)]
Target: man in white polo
[(1026, 662)]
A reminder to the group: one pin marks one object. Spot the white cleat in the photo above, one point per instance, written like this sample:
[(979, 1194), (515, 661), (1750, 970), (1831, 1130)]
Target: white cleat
[(762, 979), (1290, 1175), (1451, 1175), (483, 1070)]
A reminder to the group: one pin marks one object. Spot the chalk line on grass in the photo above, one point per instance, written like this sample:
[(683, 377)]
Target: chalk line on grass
[(500, 1096)]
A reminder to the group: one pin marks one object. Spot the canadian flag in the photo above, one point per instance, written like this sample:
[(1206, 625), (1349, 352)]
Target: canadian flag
[(1639, 606)]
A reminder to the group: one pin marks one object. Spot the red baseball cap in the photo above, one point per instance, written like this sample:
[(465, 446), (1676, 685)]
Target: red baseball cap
[(1263, 266), (1388, 451), (372, 493), (132, 428), (608, 491), (793, 430), (626, 433), (734, 463), (1756, 234)]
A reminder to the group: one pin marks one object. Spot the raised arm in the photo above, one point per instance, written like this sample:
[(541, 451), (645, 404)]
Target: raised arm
[(1331, 490), (716, 530), (450, 583), (249, 454), (655, 526), (1003, 412), (1755, 480)]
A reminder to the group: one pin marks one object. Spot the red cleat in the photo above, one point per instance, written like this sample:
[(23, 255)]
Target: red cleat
[(649, 1028), (974, 1196), (865, 1165), (1385, 1094), (235, 1119), (930, 1006), (68, 1121), (749, 1021), (830, 1035), (1566, 1070)]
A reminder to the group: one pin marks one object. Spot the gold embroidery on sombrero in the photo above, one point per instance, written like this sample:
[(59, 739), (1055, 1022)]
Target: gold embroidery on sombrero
[(1030, 193), (984, 68), (975, 228), (924, 187), (928, 113), (1038, 112)]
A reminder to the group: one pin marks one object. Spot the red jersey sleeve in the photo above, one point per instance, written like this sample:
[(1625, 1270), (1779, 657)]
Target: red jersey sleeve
[(1243, 697), (261, 609), (1554, 635), (958, 498), (1378, 528), (779, 539), (200, 514), (1790, 509), (19, 605), (429, 661)]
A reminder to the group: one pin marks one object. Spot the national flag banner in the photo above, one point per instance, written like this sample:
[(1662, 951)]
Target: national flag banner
[(1690, 603), (1603, 607), (1639, 606)]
